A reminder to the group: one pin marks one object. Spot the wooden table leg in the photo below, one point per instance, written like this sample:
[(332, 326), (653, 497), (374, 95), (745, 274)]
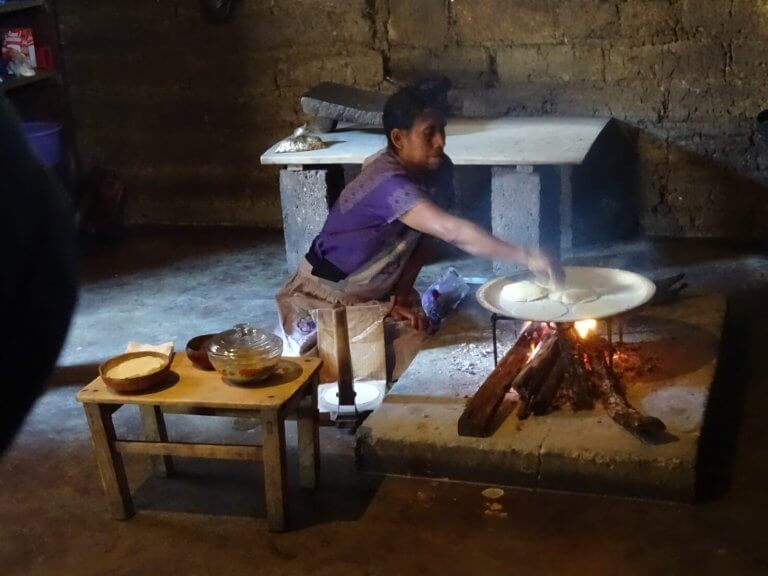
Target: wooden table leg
[(109, 460), (153, 423), (275, 478), (309, 438)]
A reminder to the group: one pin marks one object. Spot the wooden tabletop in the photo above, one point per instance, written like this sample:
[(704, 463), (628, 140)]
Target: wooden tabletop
[(469, 141), (189, 386)]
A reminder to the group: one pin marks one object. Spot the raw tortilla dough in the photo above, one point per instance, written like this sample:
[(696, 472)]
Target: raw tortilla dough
[(605, 306), (544, 310), (136, 367), (525, 291), (574, 296), (544, 282)]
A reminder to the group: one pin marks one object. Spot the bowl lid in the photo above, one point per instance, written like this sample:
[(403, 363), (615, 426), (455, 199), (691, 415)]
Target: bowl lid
[(245, 339)]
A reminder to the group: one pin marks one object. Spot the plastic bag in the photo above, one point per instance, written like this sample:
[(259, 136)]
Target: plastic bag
[(443, 296)]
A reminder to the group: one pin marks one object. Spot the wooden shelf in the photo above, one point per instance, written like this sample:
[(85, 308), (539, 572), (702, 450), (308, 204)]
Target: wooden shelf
[(11, 83), (16, 6)]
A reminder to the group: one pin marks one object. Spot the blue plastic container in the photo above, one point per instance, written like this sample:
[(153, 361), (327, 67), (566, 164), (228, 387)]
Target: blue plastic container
[(45, 140)]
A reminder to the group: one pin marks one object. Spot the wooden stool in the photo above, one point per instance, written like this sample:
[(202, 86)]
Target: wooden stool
[(292, 389)]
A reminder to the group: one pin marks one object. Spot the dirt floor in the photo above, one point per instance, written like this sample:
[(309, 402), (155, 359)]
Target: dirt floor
[(209, 519)]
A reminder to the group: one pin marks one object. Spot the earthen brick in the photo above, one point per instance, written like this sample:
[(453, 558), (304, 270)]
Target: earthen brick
[(465, 66), (421, 24), (580, 19), (503, 22), (306, 68), (562, 63), (636, 63), (652, 21)]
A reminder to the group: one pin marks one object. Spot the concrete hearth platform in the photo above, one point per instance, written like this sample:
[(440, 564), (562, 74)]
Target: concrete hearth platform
[(414, 431)]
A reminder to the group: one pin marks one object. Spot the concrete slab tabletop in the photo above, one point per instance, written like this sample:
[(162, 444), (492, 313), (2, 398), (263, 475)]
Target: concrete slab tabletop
[(414, 431), (500, 141)]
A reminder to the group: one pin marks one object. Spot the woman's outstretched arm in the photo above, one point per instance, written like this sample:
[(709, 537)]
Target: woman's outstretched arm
[(430, 219)]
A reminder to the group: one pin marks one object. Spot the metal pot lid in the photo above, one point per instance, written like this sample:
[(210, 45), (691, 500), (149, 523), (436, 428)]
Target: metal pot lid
[(245, 340)]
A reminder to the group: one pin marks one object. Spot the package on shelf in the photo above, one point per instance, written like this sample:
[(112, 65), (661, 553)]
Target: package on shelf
[(22, 41)]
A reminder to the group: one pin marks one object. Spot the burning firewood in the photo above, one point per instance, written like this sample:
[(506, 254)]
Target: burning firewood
[(552, 368), (481, 409), (533, 375), (648, 428)]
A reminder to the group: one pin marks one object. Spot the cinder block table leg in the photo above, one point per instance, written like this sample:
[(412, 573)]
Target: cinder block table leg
[(525, 209), (109, 460), (275, 477), (153, 423), (565, 173), (304, 202), (309, 438)]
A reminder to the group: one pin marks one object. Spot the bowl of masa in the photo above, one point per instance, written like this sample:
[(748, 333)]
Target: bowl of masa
[(134, 372)]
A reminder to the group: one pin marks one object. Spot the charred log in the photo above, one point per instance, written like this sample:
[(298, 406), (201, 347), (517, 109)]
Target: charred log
[(579, 394), (544, 401), (479, 413), (532, 377), (565, 371), (647, 428)]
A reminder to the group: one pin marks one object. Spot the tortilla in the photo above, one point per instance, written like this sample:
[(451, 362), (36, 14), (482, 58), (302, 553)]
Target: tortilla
[(603, 306), (574, 296), (543, 310), (525, 291)]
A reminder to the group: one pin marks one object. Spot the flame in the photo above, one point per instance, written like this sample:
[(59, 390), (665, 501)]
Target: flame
[(584, 327), (537, 338)]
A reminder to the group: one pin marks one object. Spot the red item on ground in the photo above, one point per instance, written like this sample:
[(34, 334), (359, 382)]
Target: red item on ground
[(44, 58)]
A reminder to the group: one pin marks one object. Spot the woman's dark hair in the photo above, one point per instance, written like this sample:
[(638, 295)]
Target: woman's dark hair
[(402, 109), (404, 106)]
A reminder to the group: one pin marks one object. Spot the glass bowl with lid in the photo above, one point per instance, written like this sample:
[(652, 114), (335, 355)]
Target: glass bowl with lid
[(245, 353)]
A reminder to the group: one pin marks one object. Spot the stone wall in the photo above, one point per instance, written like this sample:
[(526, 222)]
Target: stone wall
[(183, 109)]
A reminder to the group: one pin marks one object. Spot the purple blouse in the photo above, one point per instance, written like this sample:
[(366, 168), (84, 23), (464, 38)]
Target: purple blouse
[(365, 219)]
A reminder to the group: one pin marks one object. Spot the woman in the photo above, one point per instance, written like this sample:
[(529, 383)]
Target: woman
[(370, 246)]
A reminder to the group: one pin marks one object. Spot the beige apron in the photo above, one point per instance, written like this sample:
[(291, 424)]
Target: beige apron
[(305, 293)]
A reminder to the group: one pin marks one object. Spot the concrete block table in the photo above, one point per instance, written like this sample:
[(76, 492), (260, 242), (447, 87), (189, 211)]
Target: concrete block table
[(530, 160), (293, 389)]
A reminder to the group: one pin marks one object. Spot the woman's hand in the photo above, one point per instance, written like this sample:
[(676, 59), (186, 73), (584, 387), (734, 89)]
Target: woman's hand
[(413, 314), (430, 219), (542, 266)]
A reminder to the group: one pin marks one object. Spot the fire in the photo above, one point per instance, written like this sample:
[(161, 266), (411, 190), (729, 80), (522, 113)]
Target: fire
[(537, 340), (584, 327)]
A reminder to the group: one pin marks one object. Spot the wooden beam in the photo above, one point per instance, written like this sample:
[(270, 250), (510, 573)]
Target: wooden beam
[(153, 423), (345, 375), (275, 477), (110, 462), (190, 450), (309, 438), (201, 411)]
